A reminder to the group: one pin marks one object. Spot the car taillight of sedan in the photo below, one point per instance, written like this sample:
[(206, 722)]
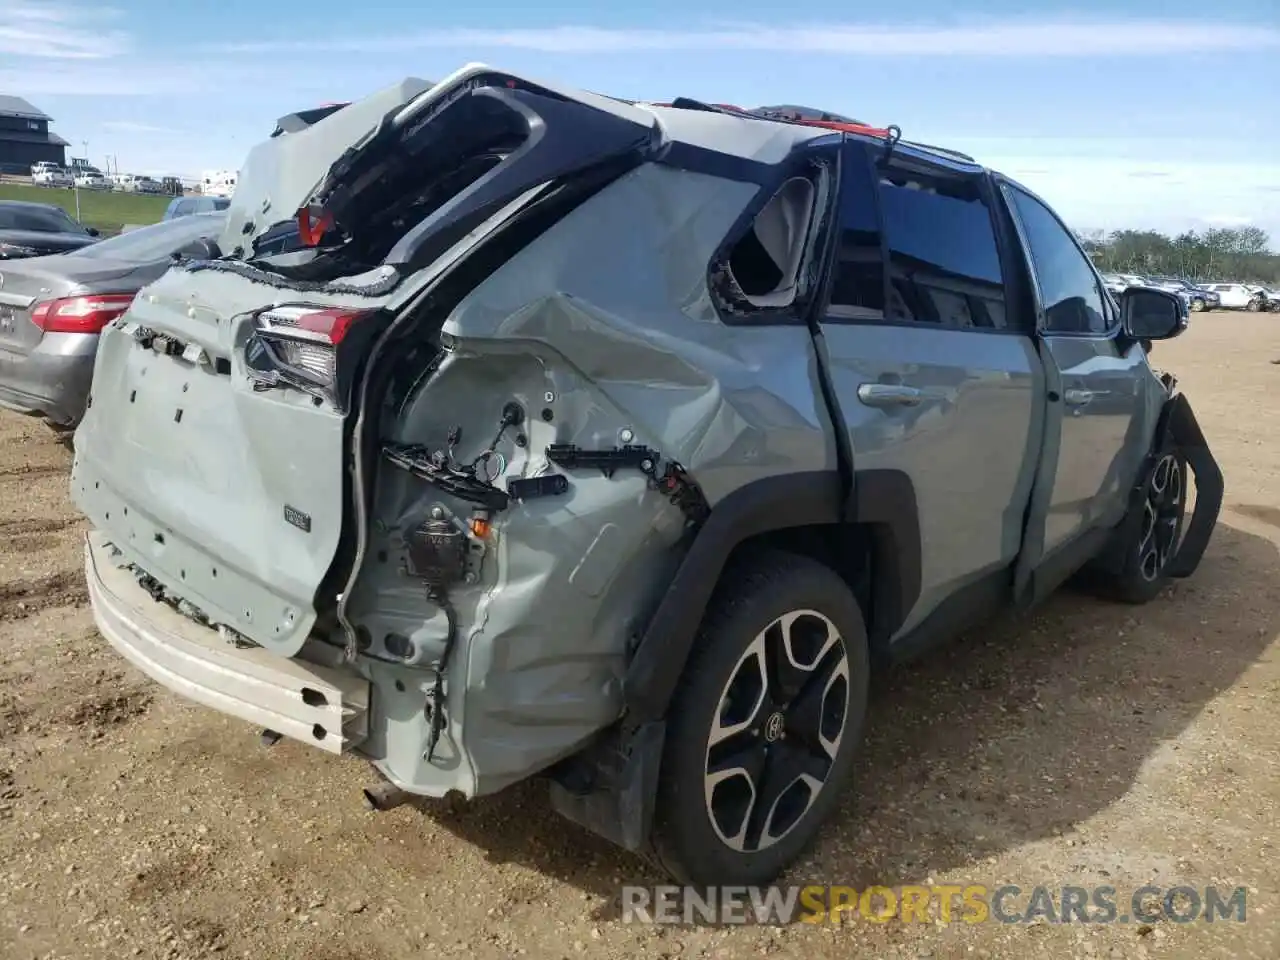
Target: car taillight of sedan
[(86, 314)]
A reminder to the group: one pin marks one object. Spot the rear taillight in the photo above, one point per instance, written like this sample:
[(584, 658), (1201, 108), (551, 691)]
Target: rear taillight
[(299, 345), (88, 314)]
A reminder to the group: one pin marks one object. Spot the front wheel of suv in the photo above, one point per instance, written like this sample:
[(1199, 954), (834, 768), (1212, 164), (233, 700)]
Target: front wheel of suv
[(1157, 536), (764, 726), (1197, 305)]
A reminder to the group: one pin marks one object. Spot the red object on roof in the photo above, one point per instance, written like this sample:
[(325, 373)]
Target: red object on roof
[(845, 127), (837, 125)]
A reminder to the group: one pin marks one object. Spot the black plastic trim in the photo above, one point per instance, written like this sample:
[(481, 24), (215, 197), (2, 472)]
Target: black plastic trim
[(686, 156), (774, 503), (564, 139), (1190, 442), (960, 611), (885, 500)]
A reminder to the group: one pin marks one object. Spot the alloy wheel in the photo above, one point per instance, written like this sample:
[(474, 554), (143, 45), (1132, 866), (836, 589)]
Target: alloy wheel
[(777, 731), (1161, 517)]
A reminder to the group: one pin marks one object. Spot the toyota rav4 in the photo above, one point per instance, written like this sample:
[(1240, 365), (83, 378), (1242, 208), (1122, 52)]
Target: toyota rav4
[(523, 431)]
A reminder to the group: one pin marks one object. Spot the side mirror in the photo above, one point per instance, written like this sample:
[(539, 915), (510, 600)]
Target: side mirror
[(202, 248), (1150, 314), (93, 231)]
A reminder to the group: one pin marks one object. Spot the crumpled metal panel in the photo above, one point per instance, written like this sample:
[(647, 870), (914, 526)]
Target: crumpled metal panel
[(604, 332)]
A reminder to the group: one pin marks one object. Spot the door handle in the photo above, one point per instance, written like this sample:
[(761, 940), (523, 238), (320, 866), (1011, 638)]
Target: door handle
[(889, 395), (1077, 398)]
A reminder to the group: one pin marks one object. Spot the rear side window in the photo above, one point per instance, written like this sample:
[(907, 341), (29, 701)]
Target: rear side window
[(915, 247), (944, 266)]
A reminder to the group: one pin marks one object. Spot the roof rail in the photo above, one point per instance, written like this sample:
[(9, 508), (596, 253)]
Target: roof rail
[(940, 150), (791, 111)]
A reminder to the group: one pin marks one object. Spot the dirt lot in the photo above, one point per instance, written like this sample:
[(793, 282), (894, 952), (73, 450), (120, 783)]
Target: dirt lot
[(1089, 744)]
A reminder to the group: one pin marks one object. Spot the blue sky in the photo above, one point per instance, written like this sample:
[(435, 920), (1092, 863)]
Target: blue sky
[(1122, 113)]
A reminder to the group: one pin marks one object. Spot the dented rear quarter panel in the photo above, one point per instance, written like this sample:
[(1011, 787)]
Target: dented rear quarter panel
[(604, 325)]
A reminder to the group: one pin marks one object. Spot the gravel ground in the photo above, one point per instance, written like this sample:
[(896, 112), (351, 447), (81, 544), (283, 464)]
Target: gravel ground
[(1085, 744)]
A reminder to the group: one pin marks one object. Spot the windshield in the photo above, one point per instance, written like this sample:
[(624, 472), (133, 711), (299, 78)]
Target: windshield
[(37, 219), (156, 241)]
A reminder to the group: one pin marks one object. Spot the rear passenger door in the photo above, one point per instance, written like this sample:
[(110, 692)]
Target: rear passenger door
[(1095, 425), (934, 372)]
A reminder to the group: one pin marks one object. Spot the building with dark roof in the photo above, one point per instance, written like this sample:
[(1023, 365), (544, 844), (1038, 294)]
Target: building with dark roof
[(25, 138)]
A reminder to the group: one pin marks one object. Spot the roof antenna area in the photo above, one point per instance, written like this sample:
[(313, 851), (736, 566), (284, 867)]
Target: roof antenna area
[(893, 133)]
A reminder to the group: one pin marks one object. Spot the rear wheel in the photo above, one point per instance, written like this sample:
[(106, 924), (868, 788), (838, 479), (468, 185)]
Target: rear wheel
[(765, 724)]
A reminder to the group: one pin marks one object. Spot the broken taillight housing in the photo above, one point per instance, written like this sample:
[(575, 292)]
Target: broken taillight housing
[(303, 346), (87, 314)]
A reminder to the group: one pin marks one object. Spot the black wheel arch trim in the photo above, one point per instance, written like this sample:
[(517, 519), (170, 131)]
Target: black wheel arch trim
[(883, 499), (1177, 431), (1178, 422)]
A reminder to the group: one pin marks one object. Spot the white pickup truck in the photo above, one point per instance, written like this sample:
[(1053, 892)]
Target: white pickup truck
[(49, 174)]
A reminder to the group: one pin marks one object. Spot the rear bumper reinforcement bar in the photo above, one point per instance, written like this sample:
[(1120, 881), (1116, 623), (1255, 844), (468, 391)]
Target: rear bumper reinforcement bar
[(323, 707)]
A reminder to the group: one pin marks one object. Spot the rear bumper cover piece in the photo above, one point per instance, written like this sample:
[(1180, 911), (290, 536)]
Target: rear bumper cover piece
[(326, 708), (53, 380)]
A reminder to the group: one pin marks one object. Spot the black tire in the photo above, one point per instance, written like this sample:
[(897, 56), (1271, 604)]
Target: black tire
[(1157, 535), (741, 641), (1197, 305), (1253, 306)]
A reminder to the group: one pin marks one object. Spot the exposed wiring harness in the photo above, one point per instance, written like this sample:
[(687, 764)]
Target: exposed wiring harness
[(472, 481)]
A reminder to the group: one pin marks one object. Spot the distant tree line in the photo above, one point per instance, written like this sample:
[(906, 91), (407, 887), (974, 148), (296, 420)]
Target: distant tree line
[(1239, 254)]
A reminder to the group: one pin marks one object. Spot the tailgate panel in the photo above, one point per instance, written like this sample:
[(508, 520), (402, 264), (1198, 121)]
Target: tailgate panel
[(195, 476)]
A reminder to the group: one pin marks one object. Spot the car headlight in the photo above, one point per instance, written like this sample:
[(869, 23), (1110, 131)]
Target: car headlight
[(11, 251)]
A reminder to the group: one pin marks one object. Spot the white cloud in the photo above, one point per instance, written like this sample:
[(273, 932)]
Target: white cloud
[(1016, 38), (129, 126), (50, 29), (1103, 192), (1228, 220), (127, 77)]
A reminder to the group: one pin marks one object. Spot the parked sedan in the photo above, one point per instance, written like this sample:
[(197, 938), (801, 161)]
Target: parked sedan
[(53, 308), (35, 229), (1197, 297)]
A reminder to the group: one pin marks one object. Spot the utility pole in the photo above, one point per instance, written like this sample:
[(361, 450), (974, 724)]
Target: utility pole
[(75, 180)]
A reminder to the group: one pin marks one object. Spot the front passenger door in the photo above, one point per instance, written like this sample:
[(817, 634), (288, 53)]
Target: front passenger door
[(1095, 414)]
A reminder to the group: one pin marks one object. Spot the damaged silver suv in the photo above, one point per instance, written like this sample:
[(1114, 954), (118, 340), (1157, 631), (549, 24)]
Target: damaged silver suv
[(521, 431)]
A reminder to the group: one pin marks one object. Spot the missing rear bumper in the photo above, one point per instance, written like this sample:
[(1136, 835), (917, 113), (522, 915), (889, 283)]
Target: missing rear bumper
[(320, 706)]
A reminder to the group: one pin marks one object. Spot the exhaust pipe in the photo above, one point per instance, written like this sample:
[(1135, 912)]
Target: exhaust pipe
[(385, 796)]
